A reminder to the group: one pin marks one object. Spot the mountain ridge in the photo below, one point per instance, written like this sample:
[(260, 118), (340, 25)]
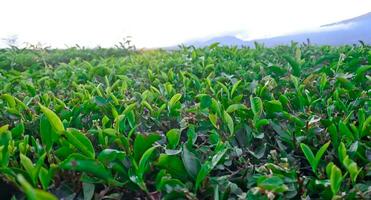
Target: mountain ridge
[(348, 31)]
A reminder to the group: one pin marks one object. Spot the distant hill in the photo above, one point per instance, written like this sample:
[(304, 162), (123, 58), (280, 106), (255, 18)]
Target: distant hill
[(223, 40), (349, 31)]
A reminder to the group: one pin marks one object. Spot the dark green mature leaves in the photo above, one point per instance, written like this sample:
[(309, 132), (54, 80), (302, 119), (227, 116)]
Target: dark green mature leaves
[(81, 163), (191, 162)]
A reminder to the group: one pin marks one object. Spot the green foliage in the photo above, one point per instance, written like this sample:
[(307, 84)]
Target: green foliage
[(289, 122), (314, 160)]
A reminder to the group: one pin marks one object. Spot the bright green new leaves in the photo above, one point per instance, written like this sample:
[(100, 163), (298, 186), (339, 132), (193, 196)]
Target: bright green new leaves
[(352, 168), (214, 119), (348, 163), (235, 107), (31, 169), (80, 142), (174, 105), (256, 106), (342, 152), (229, 121), (314, 160), (174, 100), (9, 99), (173, 138), (53, 119), (336, 178), (32, 193), (234, 87)]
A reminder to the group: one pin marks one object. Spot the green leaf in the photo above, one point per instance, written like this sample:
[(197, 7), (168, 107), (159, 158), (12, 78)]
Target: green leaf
[(27, 165), (213, 119), (4, 128), (273, 106), (191, 162), (144, 161), (174, 100), (173, 164), (342, 152), (205, 101), (308, 154), (295, 65), (314, 160), (209, 165), (345, 131), (88, 190), (18, 130), (260, 123), (256, 105), (173, 138), (228, 119), (81, 163), (46, 176), (31, 169), (34, 194), (128, 109), (336, 178), (361, 71), (234, 87), (334, 135), (142, 143), (53, 119), (5, 139), (273, 184), (366, 127), (9, 99), (234, 107), (329, 169), (80, 142), (46, 133), (108, 155), (323, 82), (352, 168), (320, 153)]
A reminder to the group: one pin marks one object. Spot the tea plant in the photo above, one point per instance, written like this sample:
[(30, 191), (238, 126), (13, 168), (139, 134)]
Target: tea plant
[(288, 122)]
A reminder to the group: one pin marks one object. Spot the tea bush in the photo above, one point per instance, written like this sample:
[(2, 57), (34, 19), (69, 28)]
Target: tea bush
[(288, 122)]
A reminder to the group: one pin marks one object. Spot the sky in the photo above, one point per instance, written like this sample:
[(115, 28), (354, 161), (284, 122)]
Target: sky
[(162, 23)]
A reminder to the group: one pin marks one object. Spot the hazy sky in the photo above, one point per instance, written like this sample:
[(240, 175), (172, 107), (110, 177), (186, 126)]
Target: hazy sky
[(154, 23)]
